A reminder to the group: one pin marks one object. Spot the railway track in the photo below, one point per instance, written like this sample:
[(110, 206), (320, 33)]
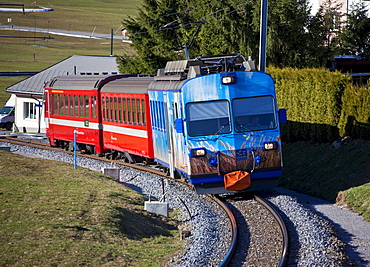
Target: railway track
[(237, 239), (262, 234)]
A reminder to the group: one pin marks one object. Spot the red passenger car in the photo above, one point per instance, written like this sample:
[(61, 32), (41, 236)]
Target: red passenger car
[(109, 113), (126, 117)]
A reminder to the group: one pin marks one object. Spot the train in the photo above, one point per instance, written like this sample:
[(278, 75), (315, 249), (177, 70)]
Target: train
[(212, 121)]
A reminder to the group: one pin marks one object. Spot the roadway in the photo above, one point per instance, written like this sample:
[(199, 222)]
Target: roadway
[(77, 34)]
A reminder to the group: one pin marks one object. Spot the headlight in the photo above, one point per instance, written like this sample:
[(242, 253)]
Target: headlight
[(228, 79), (270, 145), (198, 152)]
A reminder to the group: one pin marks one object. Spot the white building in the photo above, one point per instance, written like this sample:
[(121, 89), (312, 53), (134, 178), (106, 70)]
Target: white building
[(29, 112), (346, 5)]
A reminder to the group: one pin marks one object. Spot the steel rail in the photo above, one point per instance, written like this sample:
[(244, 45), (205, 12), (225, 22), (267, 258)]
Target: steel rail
[(234, 235), (284, 230)]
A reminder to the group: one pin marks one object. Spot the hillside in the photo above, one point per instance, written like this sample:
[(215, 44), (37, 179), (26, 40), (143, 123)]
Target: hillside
[(323, 171)]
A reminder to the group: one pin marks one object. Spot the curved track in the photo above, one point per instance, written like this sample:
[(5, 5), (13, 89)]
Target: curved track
[(258, 221)]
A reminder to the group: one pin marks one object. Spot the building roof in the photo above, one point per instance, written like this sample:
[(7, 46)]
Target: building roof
[(74, 65)]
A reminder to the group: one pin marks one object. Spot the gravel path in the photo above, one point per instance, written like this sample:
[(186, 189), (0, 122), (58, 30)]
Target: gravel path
[(351, 228)]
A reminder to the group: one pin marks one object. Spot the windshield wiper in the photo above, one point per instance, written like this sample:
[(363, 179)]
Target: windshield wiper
[(219, 130), (243, 127)]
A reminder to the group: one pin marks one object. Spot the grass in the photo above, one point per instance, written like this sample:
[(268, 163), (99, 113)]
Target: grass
[(53, 215), (357, 199), (323, 171), (87, 16)]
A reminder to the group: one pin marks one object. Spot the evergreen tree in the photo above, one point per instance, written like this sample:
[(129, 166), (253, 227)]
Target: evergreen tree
[(162, 27), (329, 24), (153, 46), (355, 37), (287, 37)]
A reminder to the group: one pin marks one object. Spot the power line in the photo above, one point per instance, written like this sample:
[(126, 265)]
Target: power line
[(179, 12), (189, 23)]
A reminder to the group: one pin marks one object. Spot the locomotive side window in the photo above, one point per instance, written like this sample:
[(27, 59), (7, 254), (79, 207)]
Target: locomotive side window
[(156, 115), (208, 118), (254, 113), (162, 116), (176, 113), (152, 113)]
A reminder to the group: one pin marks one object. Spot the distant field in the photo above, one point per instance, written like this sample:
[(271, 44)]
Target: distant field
[(73, 15), (35, 54)]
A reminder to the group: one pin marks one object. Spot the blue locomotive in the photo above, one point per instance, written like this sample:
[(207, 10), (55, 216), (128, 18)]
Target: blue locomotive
[(215, 121)]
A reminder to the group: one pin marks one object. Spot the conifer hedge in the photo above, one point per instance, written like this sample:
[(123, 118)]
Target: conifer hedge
[(355, 116), (321, 105)]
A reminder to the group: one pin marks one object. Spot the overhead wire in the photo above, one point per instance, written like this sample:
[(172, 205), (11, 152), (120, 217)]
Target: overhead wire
[(191, 9)]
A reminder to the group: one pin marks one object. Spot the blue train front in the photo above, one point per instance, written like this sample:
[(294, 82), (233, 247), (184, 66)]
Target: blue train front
[(215, 122)]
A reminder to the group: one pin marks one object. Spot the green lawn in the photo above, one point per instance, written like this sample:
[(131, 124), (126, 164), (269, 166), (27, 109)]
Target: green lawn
[(88, 15), (53, 215)]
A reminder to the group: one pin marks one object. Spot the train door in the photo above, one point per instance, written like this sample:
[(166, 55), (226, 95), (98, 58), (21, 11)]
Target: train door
[(177, 142), (169, 118), (47, 107)]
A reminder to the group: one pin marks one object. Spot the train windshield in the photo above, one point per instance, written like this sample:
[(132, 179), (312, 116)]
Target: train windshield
[(254, 113), (208, 118)]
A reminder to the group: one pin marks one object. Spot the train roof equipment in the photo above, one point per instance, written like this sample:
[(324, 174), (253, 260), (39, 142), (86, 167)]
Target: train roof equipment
[(186, 69)]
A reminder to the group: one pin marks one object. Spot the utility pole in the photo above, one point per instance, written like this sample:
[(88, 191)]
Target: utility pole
[(111, 42), (263, 35)]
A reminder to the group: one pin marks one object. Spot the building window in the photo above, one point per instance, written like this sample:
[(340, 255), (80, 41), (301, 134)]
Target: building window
[(29, 110)]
